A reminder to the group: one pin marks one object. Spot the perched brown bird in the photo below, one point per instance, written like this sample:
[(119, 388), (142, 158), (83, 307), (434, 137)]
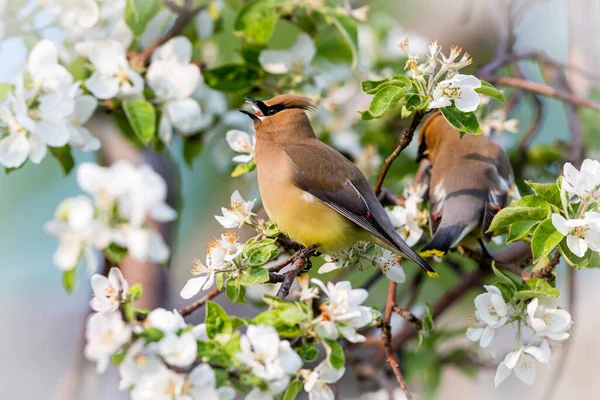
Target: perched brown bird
[(470, 181), (313, 193)]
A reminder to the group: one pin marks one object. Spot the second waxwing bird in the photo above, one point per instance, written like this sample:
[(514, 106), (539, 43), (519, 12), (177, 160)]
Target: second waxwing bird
[(470, 181), (314, 194)]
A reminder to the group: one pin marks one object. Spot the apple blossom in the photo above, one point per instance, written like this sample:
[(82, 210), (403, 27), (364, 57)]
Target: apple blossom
[(139, 362), (582, 234), (460, 89), (522, 363), (497, 121), (179, 351), (584, 183), (406, 220), (105, 334), (238, 213), (342, 313), (109, 292), (164, 385), (491, 308), (315, 383), (269, 358), (241, 142), (166, 321), (297, 58), (201, 383), (547, 320), (45, 71), (112, 76)]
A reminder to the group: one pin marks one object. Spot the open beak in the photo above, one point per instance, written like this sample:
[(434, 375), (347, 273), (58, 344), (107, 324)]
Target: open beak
[(259, 109)]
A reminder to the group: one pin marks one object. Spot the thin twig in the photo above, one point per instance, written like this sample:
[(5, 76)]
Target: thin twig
[(298, 266), (386, 339), (545, 272), (544, 90), (410, 317), (405, 140), (199, 303)]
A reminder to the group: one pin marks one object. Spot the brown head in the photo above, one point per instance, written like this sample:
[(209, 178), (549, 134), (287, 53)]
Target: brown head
[(283, 113), (435, 134)]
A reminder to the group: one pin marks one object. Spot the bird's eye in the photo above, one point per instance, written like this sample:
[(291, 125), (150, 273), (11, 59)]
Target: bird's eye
[(271, 111)]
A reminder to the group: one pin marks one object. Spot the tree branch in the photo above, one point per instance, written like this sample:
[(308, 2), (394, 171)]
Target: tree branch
[(410, 317), (199, 303), (301, 261), (545, 272)]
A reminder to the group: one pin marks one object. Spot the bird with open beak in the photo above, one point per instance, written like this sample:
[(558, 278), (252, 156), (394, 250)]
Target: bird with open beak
[(314, 194), (470, 181)]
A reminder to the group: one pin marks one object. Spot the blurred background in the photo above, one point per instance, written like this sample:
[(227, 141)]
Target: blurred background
[(42, 336)]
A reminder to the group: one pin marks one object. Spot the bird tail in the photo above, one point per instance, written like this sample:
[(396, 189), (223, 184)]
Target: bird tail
[(443, 239), (409, 253)]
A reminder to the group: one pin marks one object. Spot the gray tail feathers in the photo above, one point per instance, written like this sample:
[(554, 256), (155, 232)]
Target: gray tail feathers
[(443, 239), (409, 253)]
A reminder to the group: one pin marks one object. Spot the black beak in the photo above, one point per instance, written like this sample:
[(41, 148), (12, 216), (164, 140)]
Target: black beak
[(258, 105), (251, 115)]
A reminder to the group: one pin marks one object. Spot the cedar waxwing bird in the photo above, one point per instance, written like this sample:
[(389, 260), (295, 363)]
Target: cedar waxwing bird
[(469, 184), (314, 194)]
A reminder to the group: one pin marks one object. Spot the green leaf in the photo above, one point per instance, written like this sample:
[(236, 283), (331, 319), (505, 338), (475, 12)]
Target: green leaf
[(118, 357), (192, 148), (257, 19), (504, 278), (347, 27), (545, 239), (537, 287), (152, 334), (217, 320), (69, 279), (232, 77), (463, 121), (335, 353), (261, 252), (308, 352), (548, 191), (293, 390), (293, 316), (520, 231), (572, 259), (136, 291), (79, 68), (254, 276), (276, 302), (115, 253), (142, 118), (529, 208), (489, 90), (64, 157), (242, 169), (428, 320), (235, 292), (236, 322), (383, 100), (415, 102), (5, 89), (139, 12)]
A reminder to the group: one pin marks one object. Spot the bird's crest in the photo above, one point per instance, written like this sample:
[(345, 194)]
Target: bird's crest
[(287, 101)]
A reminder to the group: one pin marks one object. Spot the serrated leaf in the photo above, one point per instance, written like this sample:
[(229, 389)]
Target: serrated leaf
[(545, 239), (520, 231), (254, 276), (139, 12), (217, 321), (383, 100), (462, 121), (142, 118), (489, 90), (64, 157), (235, 292), (529, 208), (293, 390), (537, 287), (335, 353), (232, 77), (549, 191), (69, 280)]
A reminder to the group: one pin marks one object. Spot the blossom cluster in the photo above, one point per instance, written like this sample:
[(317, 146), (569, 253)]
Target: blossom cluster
[(549, 326), (122, 199)]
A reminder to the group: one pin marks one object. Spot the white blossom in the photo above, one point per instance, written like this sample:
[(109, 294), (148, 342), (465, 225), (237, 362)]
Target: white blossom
[(389, 263), (498, 121), (179, 351), (582, 234), (315, 383), (547, 320), (584, 183), (201, 383), (342, 313), (238, 213), (109, 292), (166, 321), (241, 142), (406, 219), (269, 358), (173, 80), (112, 76), (78, 233), (80, 136), (522, 363), (139, 361), (297, 58), (461, 89), (105, 334), (164, 385), (491, 307), (45, 71)]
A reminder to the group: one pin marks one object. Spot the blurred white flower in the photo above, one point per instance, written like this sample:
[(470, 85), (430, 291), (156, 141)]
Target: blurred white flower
[(269, 358), (297, 58), (142, 243), (112, 76), (389, 263), (497, 121), (82, 13), (164, 385), (547, 320), (306, 292), (241, 142), (522, 363), (315, 383), (45, 71), (139, 361), (201, 383), (582, 234), (583, 183), (80, 136), (238, 213), (406, 220), (109, 292), (78, 233), (342, 313), (166, 321), (390, 49), (105, 334), (173, 80), (461, 89), (179, 351), (491, 308)]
